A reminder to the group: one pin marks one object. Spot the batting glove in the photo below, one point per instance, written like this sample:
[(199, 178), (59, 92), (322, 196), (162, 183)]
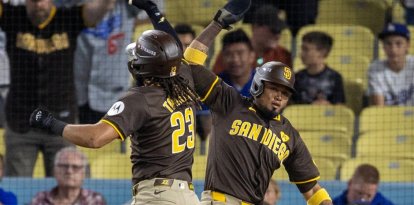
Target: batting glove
[(232, 12), (143, 4), (43, 119)]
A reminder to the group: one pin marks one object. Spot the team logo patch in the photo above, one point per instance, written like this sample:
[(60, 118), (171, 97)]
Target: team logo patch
[(284, 136), (173, 71), (117, 108), (287, 73)]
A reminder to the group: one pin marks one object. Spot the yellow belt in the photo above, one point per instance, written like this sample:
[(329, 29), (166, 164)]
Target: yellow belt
[(218, 196)]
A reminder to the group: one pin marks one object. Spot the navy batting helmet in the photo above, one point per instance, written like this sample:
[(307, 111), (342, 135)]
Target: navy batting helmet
[(274, 72), (155, 54)]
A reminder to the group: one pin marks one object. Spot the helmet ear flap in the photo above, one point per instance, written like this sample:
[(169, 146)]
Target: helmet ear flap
[(256, 89), (133, 69)]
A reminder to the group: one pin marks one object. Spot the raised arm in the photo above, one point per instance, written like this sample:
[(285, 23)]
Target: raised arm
[(231, 13), (157, 18), (86, 135)]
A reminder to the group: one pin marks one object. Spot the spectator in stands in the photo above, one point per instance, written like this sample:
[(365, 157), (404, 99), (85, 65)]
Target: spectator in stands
[(101, 75), (6, 198), (317, 83), (298, 12), (186, 35), (408, 11), (363, 188), (69, 172), (272, 194), (391, 81), (267, 28), (238, 58), (4, 75), (41, 42)]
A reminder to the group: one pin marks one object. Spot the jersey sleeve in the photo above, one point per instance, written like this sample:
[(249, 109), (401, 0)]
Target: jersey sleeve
[(213, 92), (127, 115), (299, 165)]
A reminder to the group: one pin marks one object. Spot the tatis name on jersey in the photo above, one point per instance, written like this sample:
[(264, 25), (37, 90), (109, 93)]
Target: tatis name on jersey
[(271, 140)]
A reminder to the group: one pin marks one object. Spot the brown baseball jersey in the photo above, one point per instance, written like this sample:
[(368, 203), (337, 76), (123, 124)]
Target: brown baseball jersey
[(162, 137), (245, 148)]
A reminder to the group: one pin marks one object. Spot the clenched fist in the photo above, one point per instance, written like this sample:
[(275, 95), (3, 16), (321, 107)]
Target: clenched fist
[(43, 119)]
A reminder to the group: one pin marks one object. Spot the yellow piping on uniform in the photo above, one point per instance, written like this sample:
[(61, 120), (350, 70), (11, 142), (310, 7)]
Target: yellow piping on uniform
[(252, 109), (116, 129), (210, 89), (49, 18), (304, 182)]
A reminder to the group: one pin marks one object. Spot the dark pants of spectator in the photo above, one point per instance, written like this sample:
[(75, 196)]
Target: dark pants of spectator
[(22, 151)]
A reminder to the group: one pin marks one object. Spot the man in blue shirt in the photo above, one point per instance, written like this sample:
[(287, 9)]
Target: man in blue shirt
[(363, 188), (238, 58)]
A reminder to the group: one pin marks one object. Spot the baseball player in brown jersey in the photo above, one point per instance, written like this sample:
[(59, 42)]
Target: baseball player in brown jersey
[(158, 116), (250, 139)]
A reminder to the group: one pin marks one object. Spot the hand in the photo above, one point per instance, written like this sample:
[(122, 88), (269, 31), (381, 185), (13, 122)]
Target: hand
[(232, 12), (143, 4), (43, 119)]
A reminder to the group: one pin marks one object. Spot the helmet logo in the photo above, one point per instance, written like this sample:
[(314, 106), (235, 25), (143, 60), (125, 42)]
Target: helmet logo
[(146, 50), (287, 73), (173, 71)]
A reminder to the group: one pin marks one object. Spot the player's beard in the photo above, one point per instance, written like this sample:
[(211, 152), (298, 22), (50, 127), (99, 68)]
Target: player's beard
[(265, 112)]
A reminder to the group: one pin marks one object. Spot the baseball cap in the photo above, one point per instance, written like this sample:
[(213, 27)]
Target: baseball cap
[(267, 15), (395, 29)]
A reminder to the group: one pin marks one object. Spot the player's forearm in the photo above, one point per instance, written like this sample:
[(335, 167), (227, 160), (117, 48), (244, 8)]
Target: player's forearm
[(87, 135), (208, 35), (160, 22), (198, 49)]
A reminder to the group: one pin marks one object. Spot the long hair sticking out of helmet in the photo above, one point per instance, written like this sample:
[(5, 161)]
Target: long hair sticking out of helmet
[(177, 90)]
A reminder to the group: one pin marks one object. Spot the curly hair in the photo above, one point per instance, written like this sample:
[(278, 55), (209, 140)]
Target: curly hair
[(177, 90)]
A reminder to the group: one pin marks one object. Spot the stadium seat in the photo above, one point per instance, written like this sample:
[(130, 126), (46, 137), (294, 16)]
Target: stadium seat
[(328, 118), (334, 146), (352, 40), (326, 167), (368, 13), (353, 70), (112, 166), (192, 11), (386, 118), (390, 143), (199, 167), (391, 170)]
